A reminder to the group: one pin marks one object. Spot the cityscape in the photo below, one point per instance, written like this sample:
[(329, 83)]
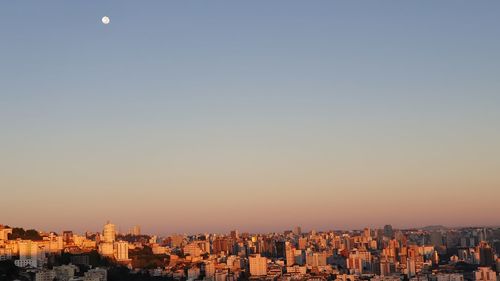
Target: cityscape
[(434, 253), (262, 140)]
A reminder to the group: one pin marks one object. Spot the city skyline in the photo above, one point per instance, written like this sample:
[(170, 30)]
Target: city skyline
[(378, 254), (186, 117), (284, 140), (130, 228)]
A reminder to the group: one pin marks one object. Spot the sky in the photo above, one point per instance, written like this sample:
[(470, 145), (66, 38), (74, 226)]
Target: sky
[(195, 116)]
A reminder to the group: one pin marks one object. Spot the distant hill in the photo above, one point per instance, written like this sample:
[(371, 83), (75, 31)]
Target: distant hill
[(434, 227)]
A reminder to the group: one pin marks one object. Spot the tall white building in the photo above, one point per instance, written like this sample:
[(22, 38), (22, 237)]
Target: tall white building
[(106, 247), (109, 233), (27, 249), (29, 254), (258, 265), (121, 251)]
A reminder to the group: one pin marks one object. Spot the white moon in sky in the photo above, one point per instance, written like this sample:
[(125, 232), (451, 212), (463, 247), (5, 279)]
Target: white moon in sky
[(105, 20)]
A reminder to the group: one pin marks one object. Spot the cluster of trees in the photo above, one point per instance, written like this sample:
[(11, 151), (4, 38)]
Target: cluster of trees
[(95, 259), (30, 234), (144, 258), (134, 238)]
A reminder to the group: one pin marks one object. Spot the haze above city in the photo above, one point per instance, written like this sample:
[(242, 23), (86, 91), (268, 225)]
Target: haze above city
[(190, 117)]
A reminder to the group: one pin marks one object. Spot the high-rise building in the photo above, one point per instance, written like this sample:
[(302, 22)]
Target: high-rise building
[(222, 244), (302, 243), (486, 255), (316, 259), (135, 230), (280, 249), (258, 265), (435, 258), (106, 244), (27, 249), (289, 254), (109, 233), (299, 257), (388, 231), (359, 261), (204, 246), (192, 249), (29, 253), (121, 251), (385, 267)]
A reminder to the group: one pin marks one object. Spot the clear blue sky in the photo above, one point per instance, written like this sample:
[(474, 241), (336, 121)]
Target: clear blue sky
[(210, 115)]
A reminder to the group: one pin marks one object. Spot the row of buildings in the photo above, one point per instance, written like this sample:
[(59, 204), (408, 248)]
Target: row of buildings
[(380, 254)]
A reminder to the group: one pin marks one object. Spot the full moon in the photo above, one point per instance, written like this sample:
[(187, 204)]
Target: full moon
[(105, 20)]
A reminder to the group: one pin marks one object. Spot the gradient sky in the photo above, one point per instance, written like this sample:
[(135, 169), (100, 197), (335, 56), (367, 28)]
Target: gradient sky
[(192, 116)]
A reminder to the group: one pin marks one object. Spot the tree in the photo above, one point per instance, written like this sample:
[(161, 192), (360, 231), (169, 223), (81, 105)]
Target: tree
[(30, 234)]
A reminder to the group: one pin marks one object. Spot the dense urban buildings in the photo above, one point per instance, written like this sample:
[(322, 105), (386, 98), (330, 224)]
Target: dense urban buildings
[(386, 254)]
